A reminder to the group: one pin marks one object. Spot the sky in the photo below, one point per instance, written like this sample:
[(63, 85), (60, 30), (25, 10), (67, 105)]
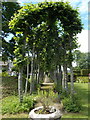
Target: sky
[(83, 10)]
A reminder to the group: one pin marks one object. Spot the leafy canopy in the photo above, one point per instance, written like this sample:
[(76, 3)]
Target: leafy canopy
[(48, 27)]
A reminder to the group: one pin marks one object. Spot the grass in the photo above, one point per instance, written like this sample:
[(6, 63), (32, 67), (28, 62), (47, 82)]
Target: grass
[(18, 115), (82, 90)]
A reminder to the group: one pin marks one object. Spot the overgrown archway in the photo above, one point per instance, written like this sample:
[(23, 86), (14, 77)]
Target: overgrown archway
[(38, 31)]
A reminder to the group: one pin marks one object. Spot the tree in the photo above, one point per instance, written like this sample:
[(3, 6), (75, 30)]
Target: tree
[(8, 10), (82, 60)]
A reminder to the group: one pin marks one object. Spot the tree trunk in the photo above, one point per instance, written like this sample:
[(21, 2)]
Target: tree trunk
[(54, 77), (71, 68), (32, 73), (38, 71), (20, 76), (59, 79), (20, 88), (41, 75), (32, 79), (63, 79), (27, 77), (60, 76), (65, 76), (71, 76)]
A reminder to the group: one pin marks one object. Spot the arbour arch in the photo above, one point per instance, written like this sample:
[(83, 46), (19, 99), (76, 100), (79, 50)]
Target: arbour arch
[(33, 15)]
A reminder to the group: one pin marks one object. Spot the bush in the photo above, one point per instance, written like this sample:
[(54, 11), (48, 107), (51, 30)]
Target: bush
[(85, 72), (82, 72), (82, 79), (49, 95), (64, 94), (77, 72), (4, 74), (46, 98), (72, 104), (12, 105)]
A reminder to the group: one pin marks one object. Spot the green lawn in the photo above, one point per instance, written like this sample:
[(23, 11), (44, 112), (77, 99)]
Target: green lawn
[(82, 90)]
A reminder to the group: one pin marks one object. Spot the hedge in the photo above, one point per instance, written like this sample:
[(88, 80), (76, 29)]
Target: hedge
[(82, 72), (85, 72), (77, 72)]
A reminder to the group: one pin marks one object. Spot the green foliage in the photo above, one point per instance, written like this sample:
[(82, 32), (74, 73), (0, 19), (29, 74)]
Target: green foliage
[(8, 10), (82, 60), (85, 72), (11, 104), (72, 103), (46, 98), (77, 72), (82, 72), (64, 94), (4, 74), (44, 31), (47, 94), (82, 79), (57, 88), (14, 68)]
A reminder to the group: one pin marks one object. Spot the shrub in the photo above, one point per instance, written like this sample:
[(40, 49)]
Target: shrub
[(77, 72), (46, 98), (64, 94), (85, 72), (82, 72), (49, 95), (4, 74), (72, 104), (12, 105), (82, 79)]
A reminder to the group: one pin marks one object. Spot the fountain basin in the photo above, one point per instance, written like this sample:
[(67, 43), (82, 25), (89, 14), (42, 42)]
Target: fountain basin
[(56, 115)]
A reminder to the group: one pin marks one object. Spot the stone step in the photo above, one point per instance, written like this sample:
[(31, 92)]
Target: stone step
[(46, 87), (47, 84)]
